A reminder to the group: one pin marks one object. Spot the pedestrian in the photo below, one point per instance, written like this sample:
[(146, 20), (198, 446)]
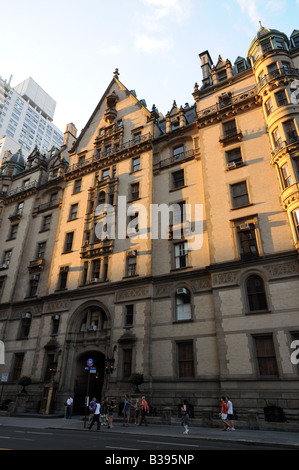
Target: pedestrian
[(69, 406), (137, 407), (92, 407), (110, 413), (126, 411), (185, 416), (96, 417), (230, 413), (144, 411), (223, 414), (104, 411)]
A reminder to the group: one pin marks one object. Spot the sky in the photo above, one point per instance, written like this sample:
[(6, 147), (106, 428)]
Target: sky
[(72, 47)]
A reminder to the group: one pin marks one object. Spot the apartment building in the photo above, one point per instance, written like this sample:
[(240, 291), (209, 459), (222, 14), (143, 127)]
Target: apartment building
[(26, 117), (164, 245)]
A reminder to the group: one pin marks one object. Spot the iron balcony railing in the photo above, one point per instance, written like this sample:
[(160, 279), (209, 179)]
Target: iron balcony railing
[(285, 143), (21, 189), (99, 155), (277, 73), (175, 159), (227, 102)]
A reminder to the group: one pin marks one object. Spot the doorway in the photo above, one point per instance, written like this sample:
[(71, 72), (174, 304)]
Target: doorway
[(87, 383)]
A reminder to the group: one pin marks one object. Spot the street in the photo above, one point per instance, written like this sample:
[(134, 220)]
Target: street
[(21, 438)]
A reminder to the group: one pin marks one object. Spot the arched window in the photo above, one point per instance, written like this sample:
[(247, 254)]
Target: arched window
[(183, 304), (256, 294)]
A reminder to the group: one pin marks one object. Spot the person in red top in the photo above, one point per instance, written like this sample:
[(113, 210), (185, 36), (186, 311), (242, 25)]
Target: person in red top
[(223, 414), (144, 411)]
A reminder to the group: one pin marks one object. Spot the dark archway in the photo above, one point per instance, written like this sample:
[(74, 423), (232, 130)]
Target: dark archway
[(96, 380)]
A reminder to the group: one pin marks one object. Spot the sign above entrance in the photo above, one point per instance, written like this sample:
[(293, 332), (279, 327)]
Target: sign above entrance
[(90, 362)]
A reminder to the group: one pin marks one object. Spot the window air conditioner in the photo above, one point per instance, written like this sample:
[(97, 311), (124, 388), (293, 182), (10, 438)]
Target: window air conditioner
[(132, 253), (94, 280), (231, 165), (26, 315), (244, 227), (181, 290), (92, 328)]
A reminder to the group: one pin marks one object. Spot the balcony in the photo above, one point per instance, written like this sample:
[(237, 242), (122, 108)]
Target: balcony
[(277, 74), (290, 195), (239, 100), (36, 265), (47, 205), (230, 135), (22, 189), (283, 145), (113, 151), (174, 159)]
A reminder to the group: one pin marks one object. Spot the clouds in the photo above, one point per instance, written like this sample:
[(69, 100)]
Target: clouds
[(251, 8), (157, 20)]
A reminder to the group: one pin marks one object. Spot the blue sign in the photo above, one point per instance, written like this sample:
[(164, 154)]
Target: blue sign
[(90, 362)]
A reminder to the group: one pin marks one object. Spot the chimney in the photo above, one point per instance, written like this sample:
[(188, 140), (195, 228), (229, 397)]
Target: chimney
[(70, 135)]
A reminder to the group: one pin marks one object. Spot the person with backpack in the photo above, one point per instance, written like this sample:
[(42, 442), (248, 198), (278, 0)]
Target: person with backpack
[(185, 416)]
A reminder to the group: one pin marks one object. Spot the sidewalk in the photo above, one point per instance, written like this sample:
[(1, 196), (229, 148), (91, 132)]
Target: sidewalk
[(275, 438)]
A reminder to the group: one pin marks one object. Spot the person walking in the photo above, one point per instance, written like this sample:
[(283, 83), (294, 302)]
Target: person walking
[(111, 409), (223, 414), (92, 407), (137, 407), (127, 406), (230, 413), (96, 417), (144, 411), (185, 416), (104, 411), (69, 407)]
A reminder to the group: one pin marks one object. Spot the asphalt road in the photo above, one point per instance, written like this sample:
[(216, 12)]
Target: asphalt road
[(20, 438)]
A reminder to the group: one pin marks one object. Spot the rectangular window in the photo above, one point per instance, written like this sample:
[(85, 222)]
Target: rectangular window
[(281, 98), (290, 130), (77, 186), (68, 243), (229, 128), (178, 179), (296, 221), (265, 355), (13, 232), (2, 283), (131, 266), (178, 152), (62, 281), (41, 250), (105, 174), (129, 311), (277, 140), (6, 258), (127, 362), (96, 269), (33, 285), (247, 241), (47, 222), (234, 156), (286, 176), (135, 191), (269, 106), (73, 211), (239, 194), (137, 138), (136, 164), (181, 255), (185, 359)]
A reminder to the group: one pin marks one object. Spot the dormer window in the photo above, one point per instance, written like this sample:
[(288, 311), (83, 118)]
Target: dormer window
[(222, 75)]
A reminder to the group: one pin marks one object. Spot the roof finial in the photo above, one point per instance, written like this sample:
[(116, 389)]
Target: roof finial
[(261, 26), (116, 73)]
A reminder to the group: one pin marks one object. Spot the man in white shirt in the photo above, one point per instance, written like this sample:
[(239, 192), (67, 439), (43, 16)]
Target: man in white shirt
[(230, 413), (69, 404), (96, 417)]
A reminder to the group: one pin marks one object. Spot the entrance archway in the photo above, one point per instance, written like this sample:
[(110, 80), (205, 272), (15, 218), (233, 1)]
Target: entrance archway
[(96, 380)]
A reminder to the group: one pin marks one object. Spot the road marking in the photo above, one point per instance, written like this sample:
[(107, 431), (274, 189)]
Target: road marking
[(168, 443), (120, 448), (16, 438)]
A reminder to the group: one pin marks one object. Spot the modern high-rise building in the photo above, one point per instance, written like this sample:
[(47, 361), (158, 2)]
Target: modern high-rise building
[(162, 246), (26, 116)]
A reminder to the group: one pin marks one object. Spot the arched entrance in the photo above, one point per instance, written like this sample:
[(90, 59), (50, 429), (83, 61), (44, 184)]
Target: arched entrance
[(93, 386)]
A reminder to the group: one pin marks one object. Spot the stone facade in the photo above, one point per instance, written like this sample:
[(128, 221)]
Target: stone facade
[(199, 317)]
